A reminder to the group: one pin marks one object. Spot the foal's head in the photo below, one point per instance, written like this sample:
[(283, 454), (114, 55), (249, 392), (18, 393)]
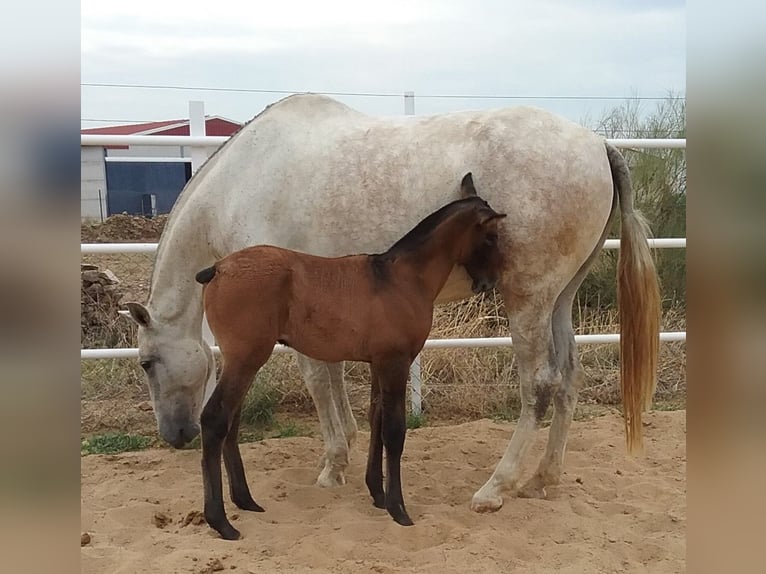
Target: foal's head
[(479, 252)]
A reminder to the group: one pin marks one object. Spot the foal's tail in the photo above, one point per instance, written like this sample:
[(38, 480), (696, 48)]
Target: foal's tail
[(638, 297), (206, 275)]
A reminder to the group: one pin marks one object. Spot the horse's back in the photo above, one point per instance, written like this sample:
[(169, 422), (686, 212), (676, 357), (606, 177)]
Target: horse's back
[(311, 174)]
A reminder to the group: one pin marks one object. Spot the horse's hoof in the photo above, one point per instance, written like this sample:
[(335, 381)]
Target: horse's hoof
[(227, 532), (532, 489), (483, 505), (403, 519), (379, 501), (400, 516), (330, 479), (249, 504)]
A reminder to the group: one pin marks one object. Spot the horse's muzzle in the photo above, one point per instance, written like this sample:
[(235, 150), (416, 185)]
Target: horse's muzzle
[(181, 435)]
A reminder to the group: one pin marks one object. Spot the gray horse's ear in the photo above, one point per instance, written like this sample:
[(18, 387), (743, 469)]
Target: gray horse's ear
[(139, 314), (466, 186)]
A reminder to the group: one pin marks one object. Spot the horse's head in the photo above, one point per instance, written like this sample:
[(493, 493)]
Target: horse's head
[(177, 367), (480, 253)]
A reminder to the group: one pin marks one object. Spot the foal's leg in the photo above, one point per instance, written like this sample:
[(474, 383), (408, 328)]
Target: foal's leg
[(374, 475), (538, 376), (564, 403), (238, 489), (392, 377), (216, 421), (319, 382)]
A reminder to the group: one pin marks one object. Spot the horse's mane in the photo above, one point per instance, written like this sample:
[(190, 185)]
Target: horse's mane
[(417, 236), (422, 231)]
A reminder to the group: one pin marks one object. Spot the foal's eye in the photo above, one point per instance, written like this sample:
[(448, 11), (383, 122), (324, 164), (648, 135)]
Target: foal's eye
[(146, 364)]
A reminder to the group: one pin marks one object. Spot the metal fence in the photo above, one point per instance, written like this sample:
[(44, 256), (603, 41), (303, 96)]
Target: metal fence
[(198, 140)]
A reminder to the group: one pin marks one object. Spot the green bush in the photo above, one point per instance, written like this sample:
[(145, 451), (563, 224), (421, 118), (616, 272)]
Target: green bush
[(659, 185), (258, 407)]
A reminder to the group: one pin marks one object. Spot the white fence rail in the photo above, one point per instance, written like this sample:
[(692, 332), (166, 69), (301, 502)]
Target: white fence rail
[(210, 141), (117, 248), (472, 342), (201, 141)]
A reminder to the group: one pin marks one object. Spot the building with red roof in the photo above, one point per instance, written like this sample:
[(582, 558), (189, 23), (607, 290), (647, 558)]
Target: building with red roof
[(138, 179)]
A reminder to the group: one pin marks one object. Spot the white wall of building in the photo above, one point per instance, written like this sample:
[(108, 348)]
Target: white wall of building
[(92, 180)]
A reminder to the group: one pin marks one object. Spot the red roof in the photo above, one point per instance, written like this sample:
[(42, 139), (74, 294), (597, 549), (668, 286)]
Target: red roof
[(214, 126)]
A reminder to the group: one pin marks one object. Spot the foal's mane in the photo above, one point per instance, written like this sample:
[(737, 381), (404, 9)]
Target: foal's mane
[(418, 235), (423, 230)]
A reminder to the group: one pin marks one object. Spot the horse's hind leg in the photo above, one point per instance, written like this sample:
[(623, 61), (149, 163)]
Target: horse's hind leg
[(238, 489), (374, 475), (216, 421), (568, 362), (319, 381), (342, 404), (564, 403), (392, 376), (538, 376), (215, 426)]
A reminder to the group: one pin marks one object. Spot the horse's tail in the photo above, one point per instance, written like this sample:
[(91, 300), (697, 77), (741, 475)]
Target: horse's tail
[(206, 275), (638, 298)]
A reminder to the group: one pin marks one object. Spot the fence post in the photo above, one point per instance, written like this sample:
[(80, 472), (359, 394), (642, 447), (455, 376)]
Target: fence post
[(198, 157), (197, 128), (416, 392), (409, 103)]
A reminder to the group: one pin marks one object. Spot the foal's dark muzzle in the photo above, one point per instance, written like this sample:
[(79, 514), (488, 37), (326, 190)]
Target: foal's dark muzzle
[(483, 285)]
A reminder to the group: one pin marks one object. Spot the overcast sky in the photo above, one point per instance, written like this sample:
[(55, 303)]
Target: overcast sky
[(601, 48)]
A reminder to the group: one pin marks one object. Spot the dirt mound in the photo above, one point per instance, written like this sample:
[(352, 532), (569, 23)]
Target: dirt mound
[(611, 513), (124, 228)]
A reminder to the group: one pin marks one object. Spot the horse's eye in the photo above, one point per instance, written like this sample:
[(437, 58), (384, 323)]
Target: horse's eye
[(491, 239), (146, 364)]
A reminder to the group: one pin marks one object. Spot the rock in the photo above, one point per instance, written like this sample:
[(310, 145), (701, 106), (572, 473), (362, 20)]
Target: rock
[(84, 539), (194, 517), (91, 276), (110, 277), (161, 520)]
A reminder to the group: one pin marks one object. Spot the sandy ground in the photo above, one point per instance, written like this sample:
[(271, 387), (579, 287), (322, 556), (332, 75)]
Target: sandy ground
[(610, 513)]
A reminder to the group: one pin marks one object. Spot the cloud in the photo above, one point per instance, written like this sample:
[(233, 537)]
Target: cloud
[(550, 47)]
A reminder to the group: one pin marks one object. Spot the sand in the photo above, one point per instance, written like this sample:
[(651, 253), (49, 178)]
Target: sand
[(610, 513)]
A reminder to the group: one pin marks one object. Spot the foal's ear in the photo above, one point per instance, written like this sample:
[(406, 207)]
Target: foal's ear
[(139, 314), (466, 186), (489, 215)]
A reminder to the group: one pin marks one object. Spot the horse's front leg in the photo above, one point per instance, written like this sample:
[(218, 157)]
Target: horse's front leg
[(220, 434), (319, 381), (393, 384), (238, 489), (374, 474)]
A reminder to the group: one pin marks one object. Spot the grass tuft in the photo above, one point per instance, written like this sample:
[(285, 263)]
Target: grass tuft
[(114, 442)]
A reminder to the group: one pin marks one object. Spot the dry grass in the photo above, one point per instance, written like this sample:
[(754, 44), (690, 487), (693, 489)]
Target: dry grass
[(458, 384)]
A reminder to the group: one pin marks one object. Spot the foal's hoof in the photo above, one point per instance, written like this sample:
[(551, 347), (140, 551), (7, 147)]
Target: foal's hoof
[(400, 516), (403, 519), (245, 502), (379, 501), (248, 504), (227, 531)]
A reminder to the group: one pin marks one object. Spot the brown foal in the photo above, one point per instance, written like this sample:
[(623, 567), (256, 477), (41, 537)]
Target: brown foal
[(372, 308)]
